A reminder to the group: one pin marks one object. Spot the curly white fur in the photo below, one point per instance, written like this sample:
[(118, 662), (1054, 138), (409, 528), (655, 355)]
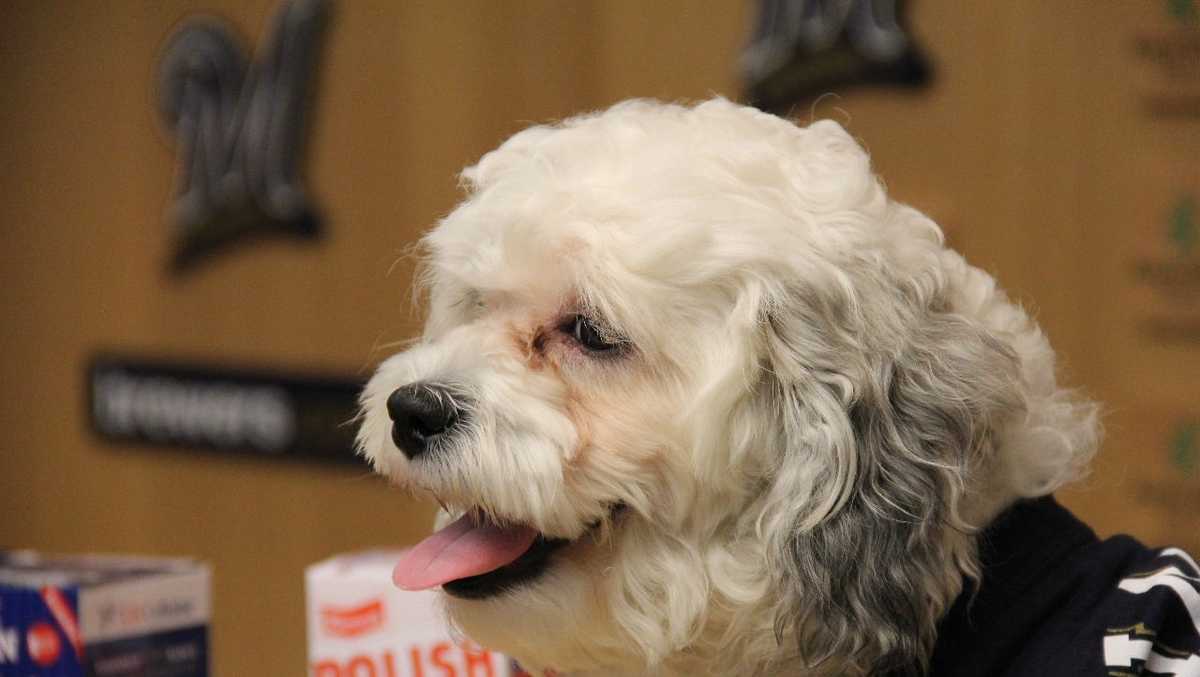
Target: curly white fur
[(815, 406)]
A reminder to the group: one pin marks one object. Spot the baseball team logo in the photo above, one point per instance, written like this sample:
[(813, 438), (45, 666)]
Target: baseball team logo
[(239, 125)]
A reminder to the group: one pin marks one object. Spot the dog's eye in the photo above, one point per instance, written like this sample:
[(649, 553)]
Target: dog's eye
[(586, 333)]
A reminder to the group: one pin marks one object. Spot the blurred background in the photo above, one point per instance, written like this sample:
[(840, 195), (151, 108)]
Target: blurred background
[(1055, 142)]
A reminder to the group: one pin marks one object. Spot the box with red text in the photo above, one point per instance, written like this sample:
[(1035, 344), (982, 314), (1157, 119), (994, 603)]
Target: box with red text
[(360, 624)]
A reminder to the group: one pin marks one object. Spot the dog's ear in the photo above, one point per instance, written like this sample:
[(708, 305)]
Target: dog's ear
[(880, 438)]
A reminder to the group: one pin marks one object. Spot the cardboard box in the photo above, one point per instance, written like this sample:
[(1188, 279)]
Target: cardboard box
[(103, 616), (360, 625)]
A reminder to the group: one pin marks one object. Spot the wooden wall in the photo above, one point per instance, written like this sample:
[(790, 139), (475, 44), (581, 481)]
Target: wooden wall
[(1033, 148)]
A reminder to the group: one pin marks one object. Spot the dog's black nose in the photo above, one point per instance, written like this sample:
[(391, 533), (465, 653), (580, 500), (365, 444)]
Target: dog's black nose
[(421, 413)]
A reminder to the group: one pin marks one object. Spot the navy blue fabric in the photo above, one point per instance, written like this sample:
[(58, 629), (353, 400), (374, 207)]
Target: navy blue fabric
[(1056, 600)]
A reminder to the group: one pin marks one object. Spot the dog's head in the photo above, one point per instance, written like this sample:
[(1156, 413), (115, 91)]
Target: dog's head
[(696, 389)]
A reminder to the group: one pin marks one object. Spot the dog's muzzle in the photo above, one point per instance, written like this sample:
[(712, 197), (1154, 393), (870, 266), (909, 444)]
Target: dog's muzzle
[(423, 413)]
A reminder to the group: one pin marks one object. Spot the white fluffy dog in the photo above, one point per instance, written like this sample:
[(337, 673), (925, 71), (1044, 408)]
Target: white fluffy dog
[(705, 401)]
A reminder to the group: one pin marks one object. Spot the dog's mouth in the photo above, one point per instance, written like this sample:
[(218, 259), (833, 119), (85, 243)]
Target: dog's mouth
[(475, 557)]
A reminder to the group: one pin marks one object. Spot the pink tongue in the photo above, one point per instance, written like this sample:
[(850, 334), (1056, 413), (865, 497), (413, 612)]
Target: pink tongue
[(460, 550)]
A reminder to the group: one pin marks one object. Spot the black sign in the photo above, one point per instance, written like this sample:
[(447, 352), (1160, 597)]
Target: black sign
[(197, 406), (804, 48), (240, 128)]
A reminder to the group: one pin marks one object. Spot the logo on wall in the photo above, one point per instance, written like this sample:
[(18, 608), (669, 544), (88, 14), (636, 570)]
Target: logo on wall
[(1171, 274), (1184, 228), (1185, 447), (239, 125), (804, 48), (1184, 11), (1172, 53)]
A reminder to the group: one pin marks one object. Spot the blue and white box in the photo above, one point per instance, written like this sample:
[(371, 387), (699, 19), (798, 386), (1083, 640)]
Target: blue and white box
[(103, 616)]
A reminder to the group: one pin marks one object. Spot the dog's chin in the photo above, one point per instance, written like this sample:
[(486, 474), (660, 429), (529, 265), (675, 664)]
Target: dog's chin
[(525, 570)]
